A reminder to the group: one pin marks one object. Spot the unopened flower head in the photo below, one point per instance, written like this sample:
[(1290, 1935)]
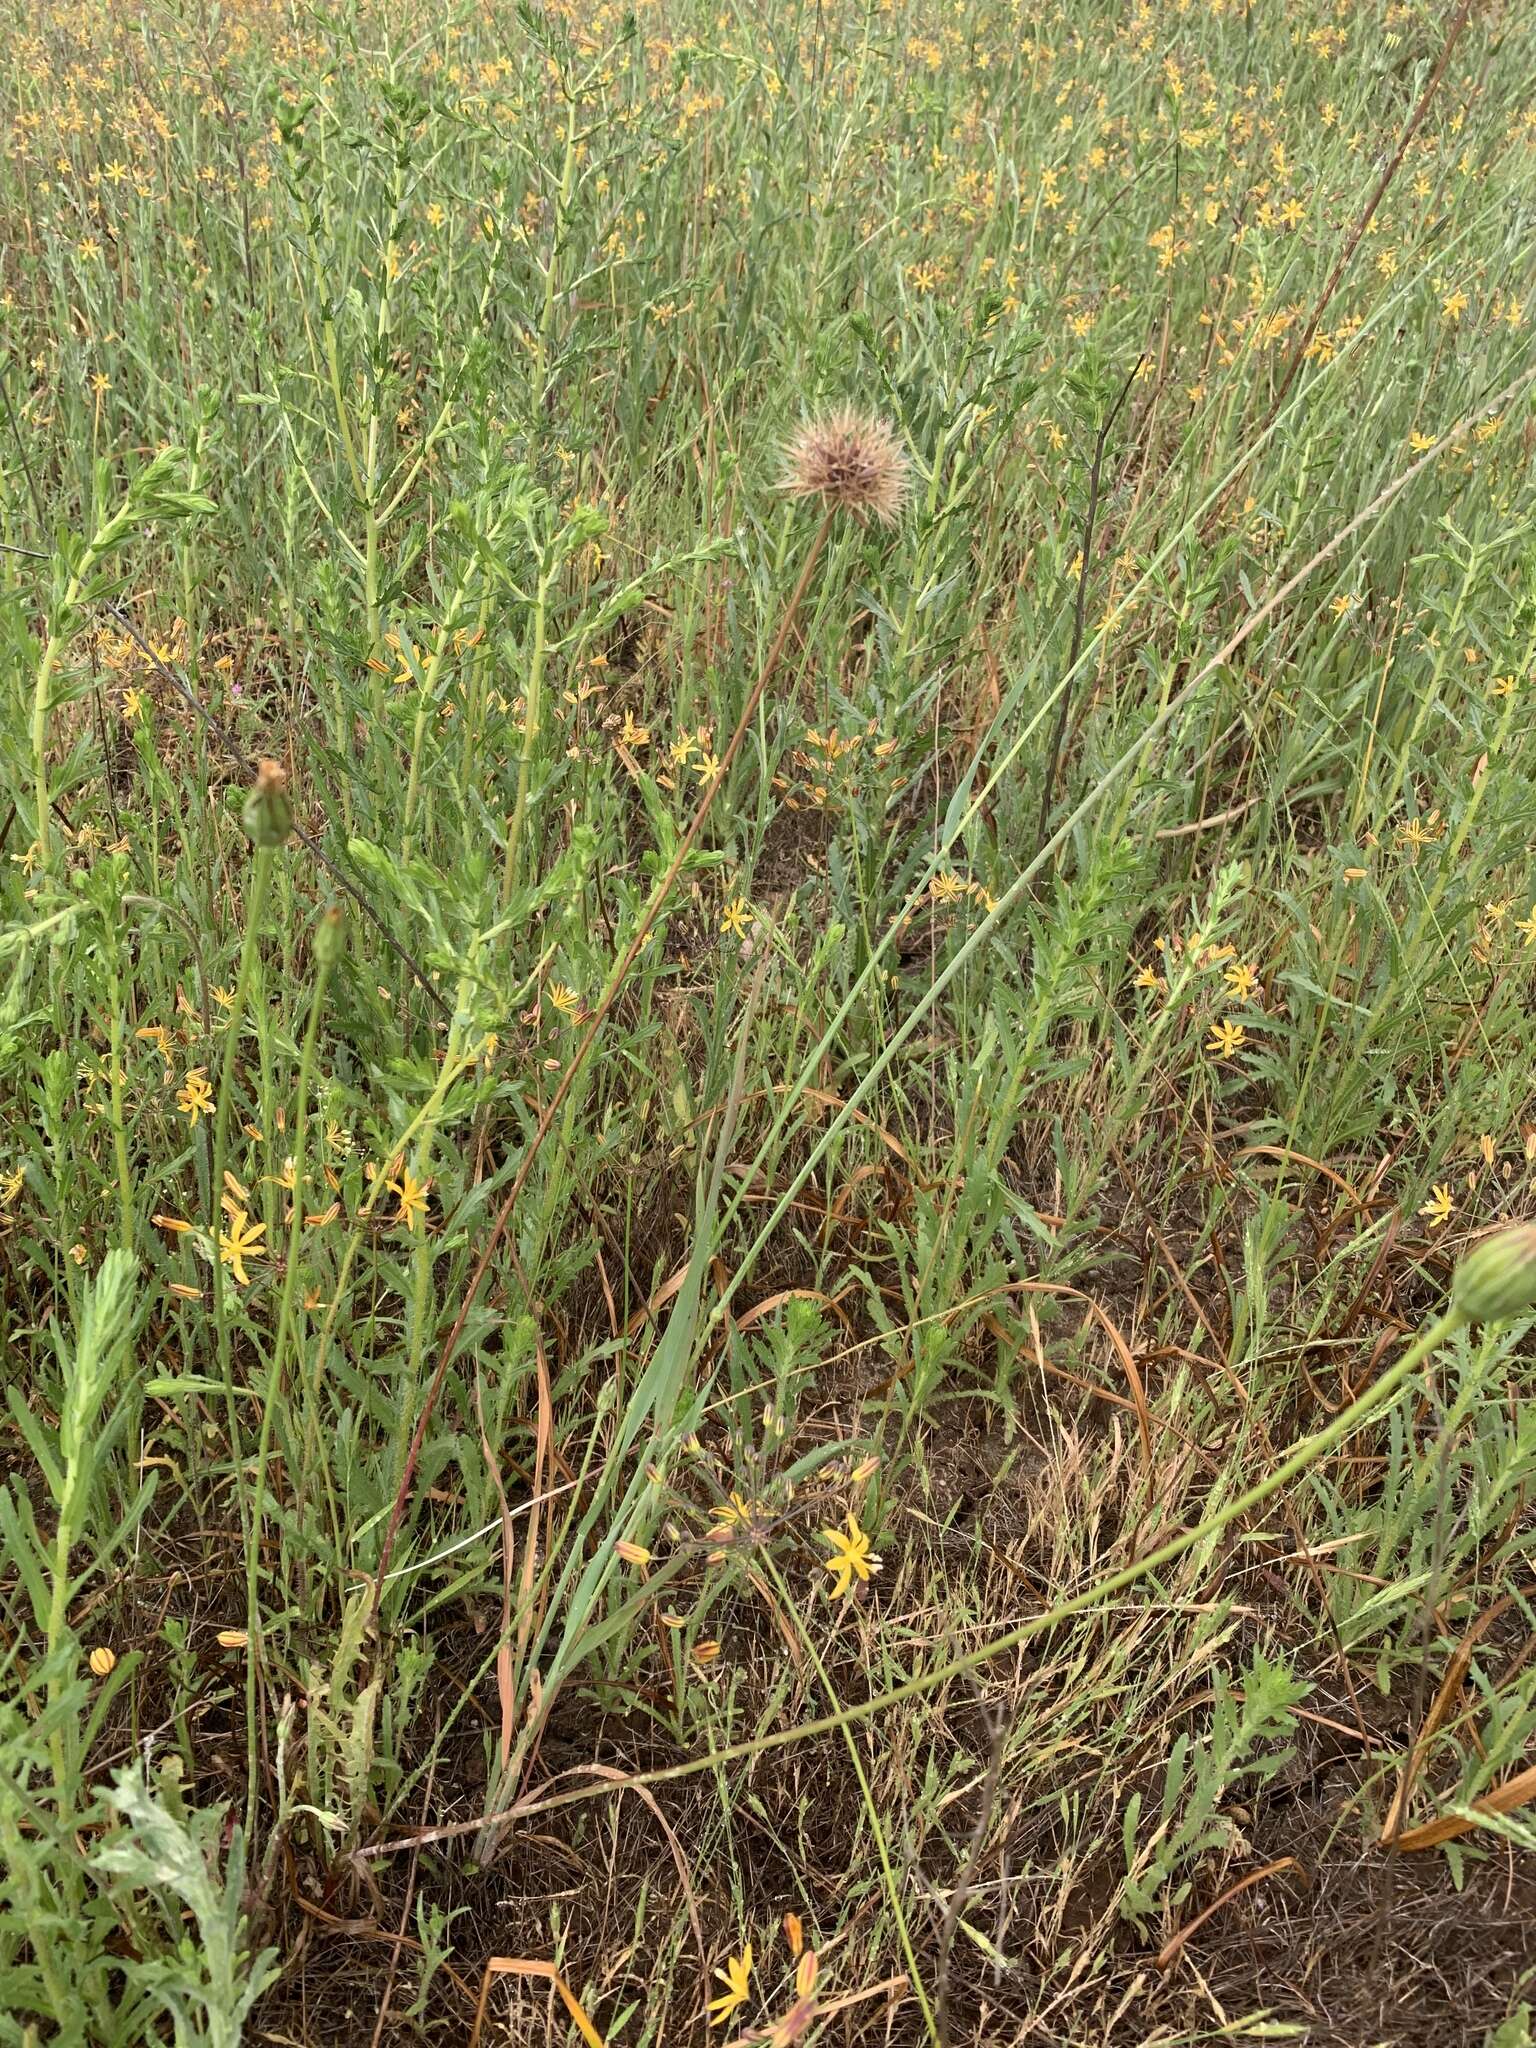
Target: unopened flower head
[(268, 813), (1498, 1279), (852, 463)]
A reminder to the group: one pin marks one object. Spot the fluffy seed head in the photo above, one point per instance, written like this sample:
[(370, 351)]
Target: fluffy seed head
[(850, 462)]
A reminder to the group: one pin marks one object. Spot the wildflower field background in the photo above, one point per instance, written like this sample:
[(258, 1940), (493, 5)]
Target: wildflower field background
[(725, 1226)]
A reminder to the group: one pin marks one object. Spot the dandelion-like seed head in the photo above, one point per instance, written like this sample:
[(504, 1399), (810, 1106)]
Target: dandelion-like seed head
[(853, 463)]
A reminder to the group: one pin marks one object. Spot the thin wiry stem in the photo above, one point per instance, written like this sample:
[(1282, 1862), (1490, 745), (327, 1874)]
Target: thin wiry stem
[(1080, 609), (1415, 119), (1301, 1458), (578, 1059), (241, 760)]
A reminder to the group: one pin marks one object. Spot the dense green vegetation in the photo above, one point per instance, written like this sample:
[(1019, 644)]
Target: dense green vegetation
[(674, 1160)]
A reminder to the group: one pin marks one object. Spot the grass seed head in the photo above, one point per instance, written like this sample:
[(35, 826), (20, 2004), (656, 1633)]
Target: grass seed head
[(853, 463)]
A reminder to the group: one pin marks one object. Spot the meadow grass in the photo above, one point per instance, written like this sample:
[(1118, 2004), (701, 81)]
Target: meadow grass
[(726, 1211)]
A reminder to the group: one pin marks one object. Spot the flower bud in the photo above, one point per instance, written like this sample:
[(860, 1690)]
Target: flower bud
[(330, 937), (268, 815), (1497, 1280)]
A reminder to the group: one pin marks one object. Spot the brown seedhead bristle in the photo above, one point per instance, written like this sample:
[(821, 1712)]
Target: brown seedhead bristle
[(852, 463)]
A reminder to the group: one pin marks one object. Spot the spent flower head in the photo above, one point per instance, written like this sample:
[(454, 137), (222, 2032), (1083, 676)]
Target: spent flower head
[(852, 462)]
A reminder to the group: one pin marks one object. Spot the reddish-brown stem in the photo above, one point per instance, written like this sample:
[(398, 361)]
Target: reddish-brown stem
[(589, 1038), (1298, 354)]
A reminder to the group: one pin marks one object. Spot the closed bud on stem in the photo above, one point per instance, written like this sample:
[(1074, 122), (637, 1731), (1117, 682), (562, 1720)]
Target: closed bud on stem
[(330, 937), (268, 814), (1497, 1280)]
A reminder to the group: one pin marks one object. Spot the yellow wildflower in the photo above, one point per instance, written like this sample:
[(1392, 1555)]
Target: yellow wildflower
[(413, 1198), (737, 1979), (851, 1559), (1438, 1209), (1227, 1038), (240, 1242), (194, 1098), (160, 1038)]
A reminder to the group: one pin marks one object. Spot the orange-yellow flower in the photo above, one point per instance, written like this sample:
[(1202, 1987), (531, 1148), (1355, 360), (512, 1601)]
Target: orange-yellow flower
[(737, 1979), (1438, 1209), (1226, 1038), (240, 1242), (194, 1098), (412, 1195), (851, 1556)]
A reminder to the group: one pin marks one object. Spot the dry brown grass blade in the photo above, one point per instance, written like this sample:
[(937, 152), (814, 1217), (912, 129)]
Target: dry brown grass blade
[(825, 1098), (645, 1794), (1287, 1154), (1169, 1953), (830, 1101), (1138, 1400), (658, 1301), (543, 1456), (1444, 1700), (519, 1966), (770, 1302), (1519, 1790), (504, 1685), (781, 1621), (890, 1988), (1127, 1364), (1005, 1336)]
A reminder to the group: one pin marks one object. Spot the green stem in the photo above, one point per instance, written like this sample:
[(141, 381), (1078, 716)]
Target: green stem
[(1304, 1455), (272, 1391), (793, 1607), (119, 1131), (425, 700), (373, 489), (338, 397), (922, 569), (423, 1255), (371, 583), (474, 701), (553, 267), (321, 1349), (40, 690), (531, 708), (65, 1537), (261, 877)]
